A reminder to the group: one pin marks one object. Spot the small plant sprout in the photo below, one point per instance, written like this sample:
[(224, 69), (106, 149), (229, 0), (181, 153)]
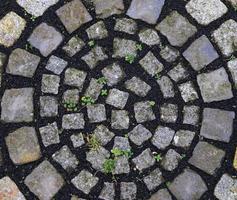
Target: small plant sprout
[(157, 76), (183, 156), (130, 58), (167, 183), (231, 58), (139, 47), (158, 157), (104, 92), (109, 166), (91, 43), (118, 152), (93, 142), (87, 100), (70, 106), (33, 18), (152, 103), (102, 80)]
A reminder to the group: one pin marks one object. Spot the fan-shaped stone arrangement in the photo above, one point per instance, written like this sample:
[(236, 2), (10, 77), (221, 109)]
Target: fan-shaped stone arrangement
[(118, 99)]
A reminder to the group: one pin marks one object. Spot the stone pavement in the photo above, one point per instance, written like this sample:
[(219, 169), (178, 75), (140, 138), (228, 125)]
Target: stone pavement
[(122, 99)]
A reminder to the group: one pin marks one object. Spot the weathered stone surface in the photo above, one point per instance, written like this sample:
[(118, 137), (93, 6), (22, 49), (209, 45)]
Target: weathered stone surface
[(75, 77), (203, 152), (215, 85), (126, 25), (146, 11), (233, 3), (169, 53), (94, 89), (49, 134), (73, 121), (169, 113), (137, 86), (128, 190), (183, 138), (119, 119), (44, 181), (22, 63), (103, 134), (139, 134), (122, 165), (176, 28), (233, 70), (162, 137), (35, 7), (154, 179), (96, 55), (162, 194), (188, 185), (106, 8), (121, 143), (56, 65), (3, 59), (9, 190), (117, 98), (45, 38), (11, 28), (77, 140), (73, 46), (171, 160), (226, 188), (113, 74), (66, 158), (200, 53), (50, 83), (225, 37), (188, 91), (17, 105), (96, 113), (217, 124), (151, 64), (206, 12), (235, 160), (85, 181), (166, 86), (71, 96), (48, 106), (144, 160), (97, 31), (179, 72), (73, 15), (191, 115), (149, 37), (124, 47), (97, 158), (108, 191), (23, 145), (143, 112)]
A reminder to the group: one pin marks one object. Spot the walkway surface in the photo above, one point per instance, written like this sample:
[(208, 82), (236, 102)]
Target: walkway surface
[(113, 99)]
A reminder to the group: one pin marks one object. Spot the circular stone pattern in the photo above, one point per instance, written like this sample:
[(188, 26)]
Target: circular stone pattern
[(117, 100)]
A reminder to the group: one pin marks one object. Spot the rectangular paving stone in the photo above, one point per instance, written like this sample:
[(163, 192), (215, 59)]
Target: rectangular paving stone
[(176, 28), (23, 145), (44, 181), (215, 85), (9, 190), (217, 124), (204, 152), (11, 28), (45, 38), (73, 14), (17, 105), (73, 121)]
